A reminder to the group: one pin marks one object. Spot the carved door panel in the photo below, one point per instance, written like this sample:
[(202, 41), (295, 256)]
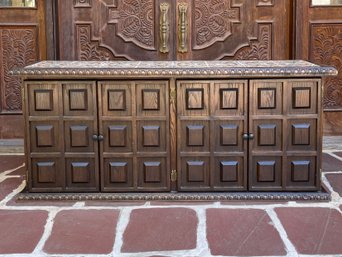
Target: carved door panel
[(318, 39), (61, 124), (233, 29), (174, 30), (283, 150), (22, 42), (211, 119), (134, 122), (116, 29)]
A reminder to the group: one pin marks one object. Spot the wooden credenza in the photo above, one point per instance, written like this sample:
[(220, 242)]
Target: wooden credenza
[(173, 126)]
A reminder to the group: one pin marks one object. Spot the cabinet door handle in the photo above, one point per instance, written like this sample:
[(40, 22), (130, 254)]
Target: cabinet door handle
[(182, 28), (95, 137), (100, 138), (164, 28)]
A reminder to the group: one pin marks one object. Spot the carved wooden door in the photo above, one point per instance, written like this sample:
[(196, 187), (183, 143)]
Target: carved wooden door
[(285, 136), (22, 42), (319, 39), (174, 30), (134, 123), (233, 29), (211, 118)]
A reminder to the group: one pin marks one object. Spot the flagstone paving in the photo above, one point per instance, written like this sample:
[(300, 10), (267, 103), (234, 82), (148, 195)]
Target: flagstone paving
[(167, 228)]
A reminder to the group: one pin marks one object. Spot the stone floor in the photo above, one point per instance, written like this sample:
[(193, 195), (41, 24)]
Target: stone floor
[(189, 229)]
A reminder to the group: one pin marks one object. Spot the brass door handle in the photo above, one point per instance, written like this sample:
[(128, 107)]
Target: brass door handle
[(182, 28), (164, 28)]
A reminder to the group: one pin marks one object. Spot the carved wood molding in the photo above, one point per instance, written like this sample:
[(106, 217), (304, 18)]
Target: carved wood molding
[(286, 196), (213, 21), (259, 48), (19, 46), (326, 49)]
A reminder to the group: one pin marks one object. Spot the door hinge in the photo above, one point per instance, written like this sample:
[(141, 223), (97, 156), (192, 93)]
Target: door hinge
[(173, 175)]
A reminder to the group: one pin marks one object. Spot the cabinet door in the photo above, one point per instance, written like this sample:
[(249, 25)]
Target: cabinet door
[(134, 121), (61, 122), (211, 120), (285, 121)]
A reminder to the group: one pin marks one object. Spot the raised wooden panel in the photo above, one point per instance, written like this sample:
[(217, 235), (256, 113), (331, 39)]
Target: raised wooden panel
[(45, 136), (151, 98), (82, 174), (43, 98), (266, 173), (304, 96), (195, 173), (151, 136), (195, 136), (302, 173), (46, 175), (116, 98), (194, 98), (227, 135), (78, 136), (266, 97), (301, 97), (227, 98), (267, 135), (153, 174), (46, 172), (117, 174), (117, 136), (229, 171), (79, 98), (302, 134)]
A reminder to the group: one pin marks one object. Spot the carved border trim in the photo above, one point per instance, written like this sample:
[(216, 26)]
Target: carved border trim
[(283, 196), (251, 72)]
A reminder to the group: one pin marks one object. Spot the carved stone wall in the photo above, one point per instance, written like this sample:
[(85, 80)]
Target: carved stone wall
[(19, 48)]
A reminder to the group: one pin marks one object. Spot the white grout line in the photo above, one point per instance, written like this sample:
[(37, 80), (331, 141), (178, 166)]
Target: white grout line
[(4, 174), (121, 226), (202, 241), (13, 194), (47, 232), (290, 248)]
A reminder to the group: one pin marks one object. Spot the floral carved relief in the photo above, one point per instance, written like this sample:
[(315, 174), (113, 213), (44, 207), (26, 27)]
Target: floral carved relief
[(19, 49), (327, 50), (213, 21)]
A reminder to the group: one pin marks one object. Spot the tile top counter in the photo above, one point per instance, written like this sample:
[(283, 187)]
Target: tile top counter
[(250, 69)]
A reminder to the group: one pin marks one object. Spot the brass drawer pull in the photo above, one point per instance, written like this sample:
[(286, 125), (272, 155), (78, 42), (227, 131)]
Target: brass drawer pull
[(164, 28), (182, 28)]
